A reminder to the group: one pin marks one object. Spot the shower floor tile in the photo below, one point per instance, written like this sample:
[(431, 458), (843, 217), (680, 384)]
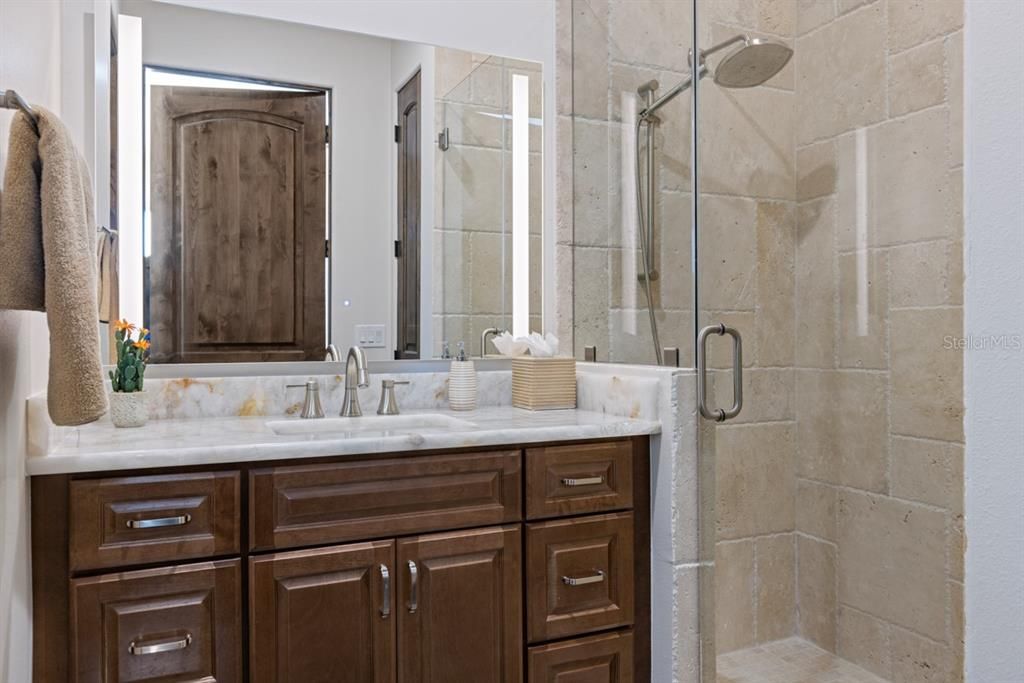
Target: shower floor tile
[(789, 661)]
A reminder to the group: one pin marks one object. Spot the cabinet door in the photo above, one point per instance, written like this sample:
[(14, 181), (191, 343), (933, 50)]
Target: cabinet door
[(324, 615), (460, 607)]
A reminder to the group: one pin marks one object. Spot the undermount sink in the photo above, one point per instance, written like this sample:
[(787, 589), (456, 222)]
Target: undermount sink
[(368, 423)]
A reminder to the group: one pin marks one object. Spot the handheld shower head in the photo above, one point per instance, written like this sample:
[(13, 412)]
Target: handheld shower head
[(752, 63)]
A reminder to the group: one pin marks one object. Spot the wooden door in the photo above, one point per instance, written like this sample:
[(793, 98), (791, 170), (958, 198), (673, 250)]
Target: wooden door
[(324, 615), (407, 250), (460, 607), (238, 201)]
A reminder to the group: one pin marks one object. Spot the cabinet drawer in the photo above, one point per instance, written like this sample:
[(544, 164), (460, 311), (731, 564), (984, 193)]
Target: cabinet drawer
[(606, 658), (579, 575), (170, 624), (315, 504), (140, 520), (570, 480)]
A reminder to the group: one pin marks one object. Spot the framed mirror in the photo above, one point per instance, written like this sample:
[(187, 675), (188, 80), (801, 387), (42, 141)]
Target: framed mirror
[(286, 189)]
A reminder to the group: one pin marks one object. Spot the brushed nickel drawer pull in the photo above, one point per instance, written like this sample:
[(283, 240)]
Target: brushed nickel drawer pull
[(583, 580), (414, 581), (180, 520), (156, 648), (582, 481), (385, 608)]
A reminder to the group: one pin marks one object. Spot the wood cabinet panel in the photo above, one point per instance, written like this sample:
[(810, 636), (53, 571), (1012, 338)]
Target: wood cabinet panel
[(605, 658), (319, 504), (579, 478), (324, 616), (460, 618), (579, 575), (178, 623), (122, 521)]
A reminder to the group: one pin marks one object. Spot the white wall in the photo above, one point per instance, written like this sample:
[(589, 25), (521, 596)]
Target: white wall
[(357, 70), (406, 58), (994, 305), (30, 64), (523, 29)]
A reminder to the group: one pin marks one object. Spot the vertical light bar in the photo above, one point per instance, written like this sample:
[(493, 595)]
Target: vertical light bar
[(630, 226), (520, 205), (130, 142)]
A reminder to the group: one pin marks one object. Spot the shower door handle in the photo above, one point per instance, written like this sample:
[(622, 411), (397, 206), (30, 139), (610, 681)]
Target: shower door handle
[(718, 414)]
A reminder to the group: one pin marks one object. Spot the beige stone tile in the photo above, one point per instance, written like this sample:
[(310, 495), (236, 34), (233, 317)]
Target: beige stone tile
[(841, 428), (630, 335), (925, 274), (768, 394), (650, 32), (815, 284), (811, 14), (755, 479), (863, 310), (590, 320), (845, 6), (816, 591), (749, 150), (892, 563), (742, 13), (775, 316), (918, 660), (564, 29), (564, 200), (720, 347), (816, 170), (673, 253), (864, 640), (955, 546), (486, 251), (777, 16), (924, 471), (912, 22), (816, 509), (597, 181), (467, 127), (895, 189), (776, 587), (734, 595), (728, 248), (841, 75), (487, 83), (955, 637), (475, 199), (954, 45), (927, 374), (917, 78)]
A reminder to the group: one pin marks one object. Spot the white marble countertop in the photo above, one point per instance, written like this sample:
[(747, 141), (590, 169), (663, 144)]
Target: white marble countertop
[(216, 440)]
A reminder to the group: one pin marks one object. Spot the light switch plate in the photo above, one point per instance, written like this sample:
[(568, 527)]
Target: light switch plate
[(370, 336)]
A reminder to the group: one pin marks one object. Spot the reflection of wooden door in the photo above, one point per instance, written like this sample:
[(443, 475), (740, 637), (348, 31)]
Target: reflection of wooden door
[(460, 619), (323, 615), (407, 251), (238, 225)]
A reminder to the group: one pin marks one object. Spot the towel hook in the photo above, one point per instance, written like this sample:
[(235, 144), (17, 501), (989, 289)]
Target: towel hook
[(12, 100)]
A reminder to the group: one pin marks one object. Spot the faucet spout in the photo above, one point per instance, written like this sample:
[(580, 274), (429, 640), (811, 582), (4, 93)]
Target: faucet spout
[(356, 376)]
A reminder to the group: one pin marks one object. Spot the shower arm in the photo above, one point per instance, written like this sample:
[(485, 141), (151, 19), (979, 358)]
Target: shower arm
[(649, 111)]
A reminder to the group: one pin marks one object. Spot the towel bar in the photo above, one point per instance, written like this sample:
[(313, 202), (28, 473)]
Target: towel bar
[(12, 100)]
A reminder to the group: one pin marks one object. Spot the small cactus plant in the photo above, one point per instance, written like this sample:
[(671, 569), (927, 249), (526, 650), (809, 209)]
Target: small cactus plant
[(129, 373)]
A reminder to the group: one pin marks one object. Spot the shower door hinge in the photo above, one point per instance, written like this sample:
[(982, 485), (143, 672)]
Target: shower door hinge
[(398, 248), (398, 133), (327, 249), (327, 134)]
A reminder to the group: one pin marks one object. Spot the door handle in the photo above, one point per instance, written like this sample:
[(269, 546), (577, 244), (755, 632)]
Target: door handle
[(581, 481), (180, 520), (414, 580), (135, 648), (718, 414), (385, 608), (583, 580)]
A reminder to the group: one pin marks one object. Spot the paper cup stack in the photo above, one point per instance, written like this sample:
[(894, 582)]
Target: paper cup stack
[(462, 387)]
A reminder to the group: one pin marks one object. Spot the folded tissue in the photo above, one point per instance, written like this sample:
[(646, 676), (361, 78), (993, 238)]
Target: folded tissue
[(538, 346)]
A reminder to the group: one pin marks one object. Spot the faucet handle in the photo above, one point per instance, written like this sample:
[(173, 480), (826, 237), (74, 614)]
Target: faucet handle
[(388, 403), (311, 407)]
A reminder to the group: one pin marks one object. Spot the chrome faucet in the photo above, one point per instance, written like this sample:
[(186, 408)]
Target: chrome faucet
[(489, 332), (331, 354), (356, 375), (311, 408)]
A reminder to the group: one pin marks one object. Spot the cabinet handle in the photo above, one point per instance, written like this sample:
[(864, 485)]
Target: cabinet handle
[(414, 581), (180, 520), (583, 580), (582, 481), (156, 648), (385, 608)]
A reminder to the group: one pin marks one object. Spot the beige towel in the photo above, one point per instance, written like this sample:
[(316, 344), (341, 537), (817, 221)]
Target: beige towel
[(48, 260)]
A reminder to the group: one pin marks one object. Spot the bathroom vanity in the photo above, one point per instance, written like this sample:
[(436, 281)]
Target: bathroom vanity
[(503, 562)]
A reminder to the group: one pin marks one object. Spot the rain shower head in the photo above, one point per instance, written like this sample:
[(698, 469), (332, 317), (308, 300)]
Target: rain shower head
[(752, 63)]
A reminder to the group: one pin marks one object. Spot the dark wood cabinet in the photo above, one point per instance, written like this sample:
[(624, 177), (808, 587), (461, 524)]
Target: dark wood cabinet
[(460, 607), (400, 568), (323, 616)]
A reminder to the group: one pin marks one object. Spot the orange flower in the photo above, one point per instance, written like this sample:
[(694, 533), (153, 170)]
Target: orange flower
[(123, 325), (141, 344)]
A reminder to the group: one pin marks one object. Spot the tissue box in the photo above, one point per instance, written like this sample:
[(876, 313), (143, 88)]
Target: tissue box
[(543, 383)]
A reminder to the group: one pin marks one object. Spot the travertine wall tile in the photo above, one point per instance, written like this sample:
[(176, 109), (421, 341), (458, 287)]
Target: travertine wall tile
[(815, 284), (917, 78), (864, 640), (755, 479), (863, 310), (816, 170), (734, 595), (925, 274), (727, 237), (911, 22), (775, 321), (927, 471), (918, 660), (816, 509), (650, 32), (776, 587), (954, 46), (816, 591), (811, 14)]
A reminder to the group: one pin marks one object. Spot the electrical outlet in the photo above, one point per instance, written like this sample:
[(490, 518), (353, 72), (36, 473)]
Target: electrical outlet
[(370, 336)]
